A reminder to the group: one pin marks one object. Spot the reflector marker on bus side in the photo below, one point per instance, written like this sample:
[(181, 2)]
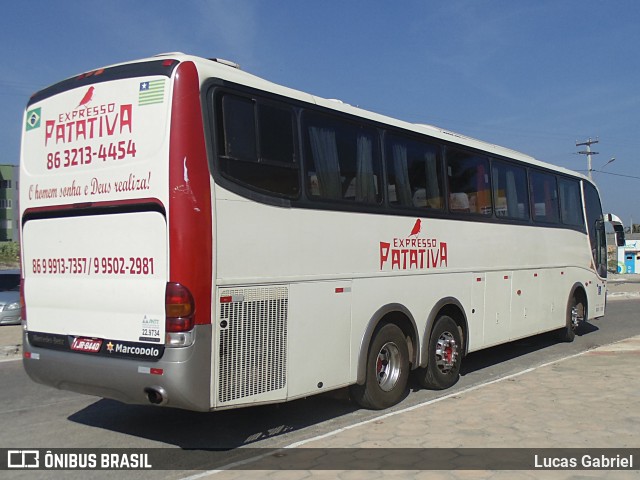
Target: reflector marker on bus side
[(32, 355), (150, 371), (232, 299), (343, 289)]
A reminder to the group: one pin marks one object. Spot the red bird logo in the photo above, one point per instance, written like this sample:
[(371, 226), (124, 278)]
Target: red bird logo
[(87, 98), (416, 228)]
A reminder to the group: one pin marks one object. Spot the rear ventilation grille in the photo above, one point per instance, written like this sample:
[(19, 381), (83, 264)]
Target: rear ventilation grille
[(253, 342)]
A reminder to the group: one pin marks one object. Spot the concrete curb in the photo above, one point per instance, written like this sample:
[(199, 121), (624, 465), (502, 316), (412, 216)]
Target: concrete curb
[(622, 295)]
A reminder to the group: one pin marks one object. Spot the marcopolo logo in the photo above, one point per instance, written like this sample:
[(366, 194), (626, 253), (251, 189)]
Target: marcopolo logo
[(413, 252), (133, 350)]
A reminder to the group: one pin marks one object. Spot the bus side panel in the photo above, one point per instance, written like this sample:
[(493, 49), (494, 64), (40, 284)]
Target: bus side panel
[(596, 297), (320, 311), (476, 319), (524, 303), (497, 320)]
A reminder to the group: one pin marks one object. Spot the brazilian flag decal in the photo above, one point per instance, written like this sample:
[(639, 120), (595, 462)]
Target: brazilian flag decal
[(33, 119)]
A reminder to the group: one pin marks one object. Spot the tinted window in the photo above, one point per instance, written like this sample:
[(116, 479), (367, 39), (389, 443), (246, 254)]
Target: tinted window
[(256, 145), (239, 128), (570, 202), (341, 160), (510, 192), (469, 187), (414, 173), (276, 134), (544, 197)]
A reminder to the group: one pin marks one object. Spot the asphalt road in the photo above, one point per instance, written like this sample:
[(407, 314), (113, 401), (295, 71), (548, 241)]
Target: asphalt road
[(34, 416)]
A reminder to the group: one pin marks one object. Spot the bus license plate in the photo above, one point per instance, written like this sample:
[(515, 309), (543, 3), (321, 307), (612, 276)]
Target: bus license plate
[(90, 345)]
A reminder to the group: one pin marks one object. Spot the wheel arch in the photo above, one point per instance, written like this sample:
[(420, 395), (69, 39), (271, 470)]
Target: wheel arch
[(453, 308), (391, 313)]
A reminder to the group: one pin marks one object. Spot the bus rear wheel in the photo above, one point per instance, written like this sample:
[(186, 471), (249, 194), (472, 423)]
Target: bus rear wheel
[(387, 370), (445, 355)]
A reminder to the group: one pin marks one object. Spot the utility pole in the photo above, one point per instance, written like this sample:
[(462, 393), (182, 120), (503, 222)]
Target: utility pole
[(588, 153)]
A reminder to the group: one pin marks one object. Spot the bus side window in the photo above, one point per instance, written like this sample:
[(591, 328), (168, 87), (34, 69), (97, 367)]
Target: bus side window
[(239, 128), (257, 147), (342, 160), (469, 185), (414, 173), (510, 192), (570, 202), (544, 197)]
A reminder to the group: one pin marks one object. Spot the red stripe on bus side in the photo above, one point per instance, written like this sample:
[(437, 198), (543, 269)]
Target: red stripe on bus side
[(190, 231)]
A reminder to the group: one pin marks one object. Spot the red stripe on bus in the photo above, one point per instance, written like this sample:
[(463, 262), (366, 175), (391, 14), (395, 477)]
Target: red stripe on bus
[(190, 231)]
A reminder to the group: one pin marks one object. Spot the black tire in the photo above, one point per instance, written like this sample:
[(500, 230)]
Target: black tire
[(574, 317), (445, 356), (387, 370)]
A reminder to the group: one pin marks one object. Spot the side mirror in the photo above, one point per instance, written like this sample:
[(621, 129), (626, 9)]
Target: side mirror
[(619, 231), (618, 228)]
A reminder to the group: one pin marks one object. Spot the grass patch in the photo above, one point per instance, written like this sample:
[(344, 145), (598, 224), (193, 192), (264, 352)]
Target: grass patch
[(9, 255)]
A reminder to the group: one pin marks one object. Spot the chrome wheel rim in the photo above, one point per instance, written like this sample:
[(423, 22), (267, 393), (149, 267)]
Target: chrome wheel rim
[(446, 352), (388, 366), (576, 317)]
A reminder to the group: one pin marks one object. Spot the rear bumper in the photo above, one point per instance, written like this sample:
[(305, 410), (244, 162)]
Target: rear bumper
[(186, 373)]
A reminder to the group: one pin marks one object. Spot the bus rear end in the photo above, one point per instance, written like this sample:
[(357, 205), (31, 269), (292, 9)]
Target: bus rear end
[(116, 235)]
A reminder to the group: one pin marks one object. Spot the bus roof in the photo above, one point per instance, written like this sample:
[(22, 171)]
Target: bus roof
[(230, 71), (213, 67)]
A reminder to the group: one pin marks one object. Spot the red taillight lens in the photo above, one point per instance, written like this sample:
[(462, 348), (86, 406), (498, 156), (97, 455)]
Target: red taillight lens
[(23, 307), (180, 308)]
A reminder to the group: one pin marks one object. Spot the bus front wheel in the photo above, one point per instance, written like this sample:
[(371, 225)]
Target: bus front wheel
[(387, 370), (445, 355), (575, 316)]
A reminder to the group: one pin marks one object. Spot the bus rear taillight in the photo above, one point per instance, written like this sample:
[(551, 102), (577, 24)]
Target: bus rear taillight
[(23, 307), (180, 308)]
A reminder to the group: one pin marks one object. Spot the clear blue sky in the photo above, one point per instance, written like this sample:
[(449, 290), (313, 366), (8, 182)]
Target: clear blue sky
[(535, 76)]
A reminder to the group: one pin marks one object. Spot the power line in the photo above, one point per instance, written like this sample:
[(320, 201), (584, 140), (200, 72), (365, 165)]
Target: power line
[(616, 174)]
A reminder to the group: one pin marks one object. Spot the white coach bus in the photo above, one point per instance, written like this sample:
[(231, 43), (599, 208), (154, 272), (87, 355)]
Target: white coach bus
[(197, 237)]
